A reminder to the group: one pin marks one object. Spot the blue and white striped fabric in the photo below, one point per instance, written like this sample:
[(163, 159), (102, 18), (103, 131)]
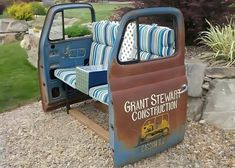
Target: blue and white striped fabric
[(67, 75), (104, 36), (144, 56), (111, 33), (105, 32), (100, 93), (156, 40), (99, 54), (99, 32)]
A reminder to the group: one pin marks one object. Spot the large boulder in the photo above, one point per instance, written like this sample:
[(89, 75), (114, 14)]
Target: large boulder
[(18, 25), (195, 72), (30, 43), (195, 108), (7, 38), (12, 30), (220, 107), (10, 25), (220, 72), (3, 25)]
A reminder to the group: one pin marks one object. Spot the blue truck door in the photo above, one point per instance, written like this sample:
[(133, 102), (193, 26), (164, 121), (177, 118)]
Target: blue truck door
[(148, 96), (58, 51)]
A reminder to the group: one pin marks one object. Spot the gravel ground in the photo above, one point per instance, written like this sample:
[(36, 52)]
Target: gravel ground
[(31, 138)]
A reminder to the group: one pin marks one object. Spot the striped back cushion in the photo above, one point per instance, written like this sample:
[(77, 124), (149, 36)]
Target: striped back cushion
[(105, 32), (156, 40), (104, 36), (99, 54)]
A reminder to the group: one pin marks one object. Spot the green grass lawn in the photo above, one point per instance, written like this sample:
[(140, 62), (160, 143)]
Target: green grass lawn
[(18, 79), (103, 12)]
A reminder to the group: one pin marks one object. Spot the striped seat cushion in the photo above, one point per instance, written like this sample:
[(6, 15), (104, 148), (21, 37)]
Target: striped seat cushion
[(67, 75), (100, 93), (99, 54)]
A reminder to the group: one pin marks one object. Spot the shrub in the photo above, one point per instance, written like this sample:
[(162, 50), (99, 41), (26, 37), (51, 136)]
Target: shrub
[(38, 8), (2, 7), (21, 11), (77, 31), (221, 41), (195, 12)]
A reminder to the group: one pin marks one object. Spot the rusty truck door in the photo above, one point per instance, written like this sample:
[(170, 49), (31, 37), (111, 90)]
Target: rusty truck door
[(147, 90)]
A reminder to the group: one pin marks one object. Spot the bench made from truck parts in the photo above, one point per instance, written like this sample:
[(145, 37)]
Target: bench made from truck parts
[(155, 42)]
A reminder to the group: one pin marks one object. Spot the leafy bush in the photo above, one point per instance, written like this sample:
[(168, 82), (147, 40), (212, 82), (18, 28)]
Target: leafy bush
[(77, 31), (2, 7), (195, 13), (21, 11), (38, 8), (221, 41)]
